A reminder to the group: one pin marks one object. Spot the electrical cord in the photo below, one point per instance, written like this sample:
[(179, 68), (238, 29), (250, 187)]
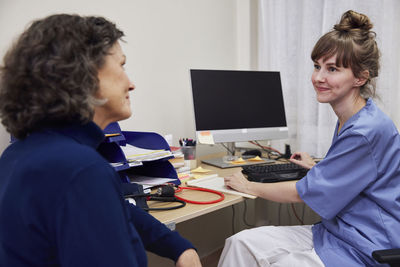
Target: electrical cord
[(233, 219), (279, 213), (163, 191), (166, 193), (295, 214), (244, 215), (267, 149), (231, 152), (166, 199), (163, 194)]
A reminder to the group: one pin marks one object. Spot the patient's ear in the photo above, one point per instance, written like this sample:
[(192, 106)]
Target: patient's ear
[(362, 79)]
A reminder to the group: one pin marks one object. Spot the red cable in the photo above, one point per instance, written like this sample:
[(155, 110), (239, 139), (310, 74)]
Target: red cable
[(222, 196)]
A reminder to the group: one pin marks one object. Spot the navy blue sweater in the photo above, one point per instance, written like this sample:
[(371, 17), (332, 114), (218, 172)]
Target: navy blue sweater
[(61, 205)]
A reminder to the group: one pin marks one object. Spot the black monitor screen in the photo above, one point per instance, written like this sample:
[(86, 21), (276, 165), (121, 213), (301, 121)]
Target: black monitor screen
[(237, 99)]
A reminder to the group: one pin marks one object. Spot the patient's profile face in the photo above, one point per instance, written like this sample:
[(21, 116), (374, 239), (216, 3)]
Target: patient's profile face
[(114, 86)]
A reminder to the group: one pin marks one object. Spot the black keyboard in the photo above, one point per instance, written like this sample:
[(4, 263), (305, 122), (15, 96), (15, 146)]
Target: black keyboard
[(270, 173)]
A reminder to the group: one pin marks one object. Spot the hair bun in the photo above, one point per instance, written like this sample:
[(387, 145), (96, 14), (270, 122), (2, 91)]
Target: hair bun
[(352, 20)]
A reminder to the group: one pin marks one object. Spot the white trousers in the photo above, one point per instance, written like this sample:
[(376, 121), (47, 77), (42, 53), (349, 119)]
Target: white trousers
[(285, 246)]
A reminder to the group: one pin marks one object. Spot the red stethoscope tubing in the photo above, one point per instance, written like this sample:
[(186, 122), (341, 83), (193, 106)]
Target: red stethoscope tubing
[(222, 196)]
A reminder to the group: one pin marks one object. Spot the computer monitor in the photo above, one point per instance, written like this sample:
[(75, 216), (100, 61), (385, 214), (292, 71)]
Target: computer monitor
[(237, 106)]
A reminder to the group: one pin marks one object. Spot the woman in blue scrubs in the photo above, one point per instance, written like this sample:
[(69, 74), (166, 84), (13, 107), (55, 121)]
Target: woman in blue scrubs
[(61, 202), (355, 189)]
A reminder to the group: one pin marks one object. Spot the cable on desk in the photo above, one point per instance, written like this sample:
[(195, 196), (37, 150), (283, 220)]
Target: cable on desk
[(164, 194), (180, 188), (231, 152), (166, 199), (267, 149)]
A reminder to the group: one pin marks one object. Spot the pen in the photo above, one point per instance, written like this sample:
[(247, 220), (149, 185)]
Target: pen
[(187, 142), (110, 135)]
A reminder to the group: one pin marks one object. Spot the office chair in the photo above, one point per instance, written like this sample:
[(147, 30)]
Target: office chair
[(389, 256)]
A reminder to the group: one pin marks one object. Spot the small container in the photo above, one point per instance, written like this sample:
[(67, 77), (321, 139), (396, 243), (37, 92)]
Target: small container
[(189, 152)]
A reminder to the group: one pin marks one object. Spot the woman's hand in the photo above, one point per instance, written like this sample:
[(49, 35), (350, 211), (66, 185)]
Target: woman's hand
[(303, 159), (237, 182), (189, 258)]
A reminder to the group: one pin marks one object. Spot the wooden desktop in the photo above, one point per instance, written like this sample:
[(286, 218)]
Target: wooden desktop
[(190, 211)]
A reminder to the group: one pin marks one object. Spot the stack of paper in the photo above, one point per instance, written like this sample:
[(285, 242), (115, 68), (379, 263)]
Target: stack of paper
[(148, 182), (216, 183), (178, 160), (116, 164), (133, 153)]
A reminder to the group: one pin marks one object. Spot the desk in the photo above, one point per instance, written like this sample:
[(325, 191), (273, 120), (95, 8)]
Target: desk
[(208, 226), (190, 211)]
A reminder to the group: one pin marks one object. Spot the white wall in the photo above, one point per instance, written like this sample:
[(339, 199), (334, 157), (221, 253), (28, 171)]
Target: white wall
[(164, 39)]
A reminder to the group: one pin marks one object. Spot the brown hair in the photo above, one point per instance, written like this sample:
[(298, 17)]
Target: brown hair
[(50, 74), (353, 42)]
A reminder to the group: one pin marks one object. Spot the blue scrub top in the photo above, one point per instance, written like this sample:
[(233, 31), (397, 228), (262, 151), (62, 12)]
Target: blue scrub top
[(356, 190)]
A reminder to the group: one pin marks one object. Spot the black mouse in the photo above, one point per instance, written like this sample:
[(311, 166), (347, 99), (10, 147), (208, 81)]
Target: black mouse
[(251, 153)]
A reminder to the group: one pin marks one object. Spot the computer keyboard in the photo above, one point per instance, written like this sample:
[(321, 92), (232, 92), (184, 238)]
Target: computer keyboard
[(269, 173)]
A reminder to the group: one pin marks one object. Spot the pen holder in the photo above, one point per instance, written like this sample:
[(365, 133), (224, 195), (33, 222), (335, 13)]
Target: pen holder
[(189, 154)]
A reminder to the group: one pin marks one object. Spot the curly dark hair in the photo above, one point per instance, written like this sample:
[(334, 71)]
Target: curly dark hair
[(49, 75)]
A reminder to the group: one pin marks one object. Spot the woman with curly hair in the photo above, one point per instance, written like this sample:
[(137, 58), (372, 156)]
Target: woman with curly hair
[(355, 188), (61, 203)]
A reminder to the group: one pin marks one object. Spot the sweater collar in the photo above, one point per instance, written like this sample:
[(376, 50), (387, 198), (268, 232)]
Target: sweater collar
[(89, 134)]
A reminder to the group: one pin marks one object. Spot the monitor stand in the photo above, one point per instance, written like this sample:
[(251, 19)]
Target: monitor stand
[(226, 161)]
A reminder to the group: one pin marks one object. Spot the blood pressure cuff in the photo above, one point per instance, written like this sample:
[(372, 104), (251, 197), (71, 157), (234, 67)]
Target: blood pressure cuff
[(138, 194)]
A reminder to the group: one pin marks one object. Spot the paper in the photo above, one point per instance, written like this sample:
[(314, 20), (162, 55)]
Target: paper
[(201, 170), (238, 161), (148, 182), (134, 163), (216, 183), (200, 175), (116, 164), (133, 153), (184, 177), (168, 138), (206, 137), (257, 158), (178, 165)]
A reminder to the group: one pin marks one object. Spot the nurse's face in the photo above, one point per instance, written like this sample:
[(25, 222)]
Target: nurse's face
[(114, 87), (333, 84)]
